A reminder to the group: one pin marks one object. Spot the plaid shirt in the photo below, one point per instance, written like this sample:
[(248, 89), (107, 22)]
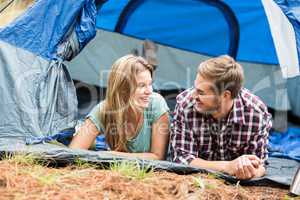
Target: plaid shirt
[(245, 131)]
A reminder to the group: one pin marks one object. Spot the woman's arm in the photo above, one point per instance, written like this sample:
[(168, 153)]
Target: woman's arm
[(159, 141), (85, 136), (160, 137)]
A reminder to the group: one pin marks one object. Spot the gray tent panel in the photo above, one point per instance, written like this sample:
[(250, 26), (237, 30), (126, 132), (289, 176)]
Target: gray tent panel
[(39, 95)]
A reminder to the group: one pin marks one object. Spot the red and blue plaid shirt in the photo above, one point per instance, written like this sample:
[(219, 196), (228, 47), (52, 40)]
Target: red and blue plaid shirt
[(197, 135)]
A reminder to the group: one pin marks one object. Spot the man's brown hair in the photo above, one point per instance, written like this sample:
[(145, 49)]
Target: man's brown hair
[(226, 73)]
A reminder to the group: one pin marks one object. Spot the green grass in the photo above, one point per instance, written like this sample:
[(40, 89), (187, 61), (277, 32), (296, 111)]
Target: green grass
[(25, 159), (82, 164), (131, 169), (39, 173), (287, 197), (32, 165), (213, 176), (200, 183)]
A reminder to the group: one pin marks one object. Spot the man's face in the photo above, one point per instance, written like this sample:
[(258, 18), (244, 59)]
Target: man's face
[(205, 95)]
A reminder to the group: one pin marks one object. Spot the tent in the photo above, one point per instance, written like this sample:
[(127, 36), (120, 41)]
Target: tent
[(51, 43), (263, 35)]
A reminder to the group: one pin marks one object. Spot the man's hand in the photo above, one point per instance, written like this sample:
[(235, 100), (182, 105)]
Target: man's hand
[(244, 167)]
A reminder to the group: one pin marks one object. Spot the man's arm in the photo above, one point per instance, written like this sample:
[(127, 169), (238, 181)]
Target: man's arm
[(220, 166), (258, 144), (183, 142), (247, 166), (243, 167), (251, 164), (185, 147)]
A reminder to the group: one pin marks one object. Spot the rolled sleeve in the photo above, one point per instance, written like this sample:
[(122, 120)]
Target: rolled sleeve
[(159, 107), (183, 145), (94, 117)]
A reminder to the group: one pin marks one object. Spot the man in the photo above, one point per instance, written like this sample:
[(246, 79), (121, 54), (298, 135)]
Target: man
[(220, 125)]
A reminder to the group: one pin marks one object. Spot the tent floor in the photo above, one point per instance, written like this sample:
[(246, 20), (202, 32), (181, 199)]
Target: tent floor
[(279, 171), (25, 181)]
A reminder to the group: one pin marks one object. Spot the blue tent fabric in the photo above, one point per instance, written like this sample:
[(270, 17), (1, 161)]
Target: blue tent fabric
[(204, 24), (43, 26), (173, 16), (64, 137), (291, 9), (112, 10), (251, 16), (285, 145), (85, 27)]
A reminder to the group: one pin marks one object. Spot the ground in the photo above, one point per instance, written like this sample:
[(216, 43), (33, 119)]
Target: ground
[(21, 179)]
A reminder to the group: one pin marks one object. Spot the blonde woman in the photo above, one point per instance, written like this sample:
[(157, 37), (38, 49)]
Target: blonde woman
[(133, 118)]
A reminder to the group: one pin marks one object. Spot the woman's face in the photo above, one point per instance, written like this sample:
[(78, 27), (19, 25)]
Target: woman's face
[(144, 89)]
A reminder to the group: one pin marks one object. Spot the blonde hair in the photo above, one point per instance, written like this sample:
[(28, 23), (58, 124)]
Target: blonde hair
[(118, 101), (226, 73)]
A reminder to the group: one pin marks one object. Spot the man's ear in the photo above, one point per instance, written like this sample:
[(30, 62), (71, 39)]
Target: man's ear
[(227, 94)]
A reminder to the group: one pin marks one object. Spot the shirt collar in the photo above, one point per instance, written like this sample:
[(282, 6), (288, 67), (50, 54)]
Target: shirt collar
[(238, 111), (191, 101)]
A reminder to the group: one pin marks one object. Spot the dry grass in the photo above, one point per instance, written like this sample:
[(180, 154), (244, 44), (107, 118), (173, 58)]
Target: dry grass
[(13, 11), (26, 179)]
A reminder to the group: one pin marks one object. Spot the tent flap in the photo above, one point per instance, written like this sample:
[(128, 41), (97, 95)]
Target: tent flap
[(37, 89), (46, 23)]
